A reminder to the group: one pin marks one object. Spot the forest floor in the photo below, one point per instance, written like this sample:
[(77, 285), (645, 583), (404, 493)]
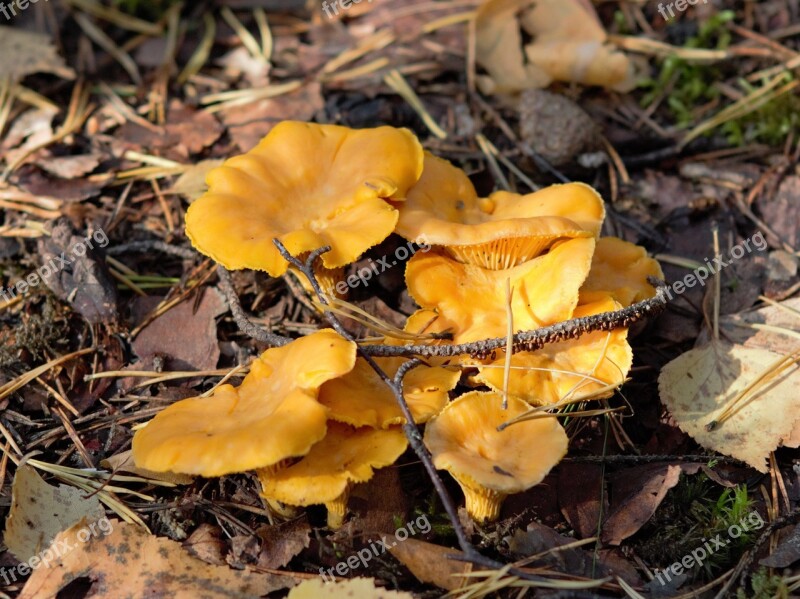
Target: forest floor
[(112, 114)]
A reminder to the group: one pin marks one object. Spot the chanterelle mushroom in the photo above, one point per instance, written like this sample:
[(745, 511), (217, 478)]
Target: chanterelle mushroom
[(272, 416), (487, 463), (471, 301), (498, 232), (589, 367), (362, 398), (594, 364), (345, 456), (620, 269), (310, 186)]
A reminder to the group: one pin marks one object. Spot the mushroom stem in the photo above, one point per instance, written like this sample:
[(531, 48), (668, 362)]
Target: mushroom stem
[(328, 278), (337, 509), (483, 504), (285, 511)]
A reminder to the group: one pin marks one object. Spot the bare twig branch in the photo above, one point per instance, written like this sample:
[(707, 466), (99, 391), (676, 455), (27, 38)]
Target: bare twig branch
[(245, 325), (537, 338), (161, 246)]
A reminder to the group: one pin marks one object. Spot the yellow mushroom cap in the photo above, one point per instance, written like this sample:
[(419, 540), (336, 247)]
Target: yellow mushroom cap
[(310, 186), (620, 269), (362, 398), (273, 415), (587, 367), (487, 463), (500, 231), (346, 455), (471, 301)]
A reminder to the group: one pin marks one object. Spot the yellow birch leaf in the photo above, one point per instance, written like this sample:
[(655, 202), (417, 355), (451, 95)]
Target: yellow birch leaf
[(700, 384)]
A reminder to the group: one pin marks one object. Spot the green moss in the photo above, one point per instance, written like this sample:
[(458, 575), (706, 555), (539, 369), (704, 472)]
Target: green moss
[(687, 83), (689, 86), (765, 586), (770, 124), (693, 515)]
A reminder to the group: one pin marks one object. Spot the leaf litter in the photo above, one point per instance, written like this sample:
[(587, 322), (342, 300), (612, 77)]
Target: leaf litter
[(127, 160)]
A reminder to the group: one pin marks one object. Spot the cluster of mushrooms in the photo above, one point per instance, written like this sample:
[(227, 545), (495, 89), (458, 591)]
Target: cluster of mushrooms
[(311, 418)]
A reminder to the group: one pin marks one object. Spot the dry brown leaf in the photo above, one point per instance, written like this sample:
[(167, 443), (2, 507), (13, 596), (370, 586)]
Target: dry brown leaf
[(70, 167), (144, 566), (186, 334), (786, 553), (569, 44), (32, 53), (207, 544), (249, 123), (282, 542), (698, 385), (429, 563), (630, 513), (40, 511), (344, 589)]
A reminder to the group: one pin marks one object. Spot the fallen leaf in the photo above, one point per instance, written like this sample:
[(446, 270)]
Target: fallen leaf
[(74, 271), (430, 564), (249, 123), (143, 565), (635, 497), (192, 129), (786, 315), (786, 553), (69, 191), (782, 210), (207, 544), (282, 542), (69, 167), (344, 589), (699, 384), (185, 334), (34, 127), (187, 132), (539, 539), (32, 53), (40, 511)]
